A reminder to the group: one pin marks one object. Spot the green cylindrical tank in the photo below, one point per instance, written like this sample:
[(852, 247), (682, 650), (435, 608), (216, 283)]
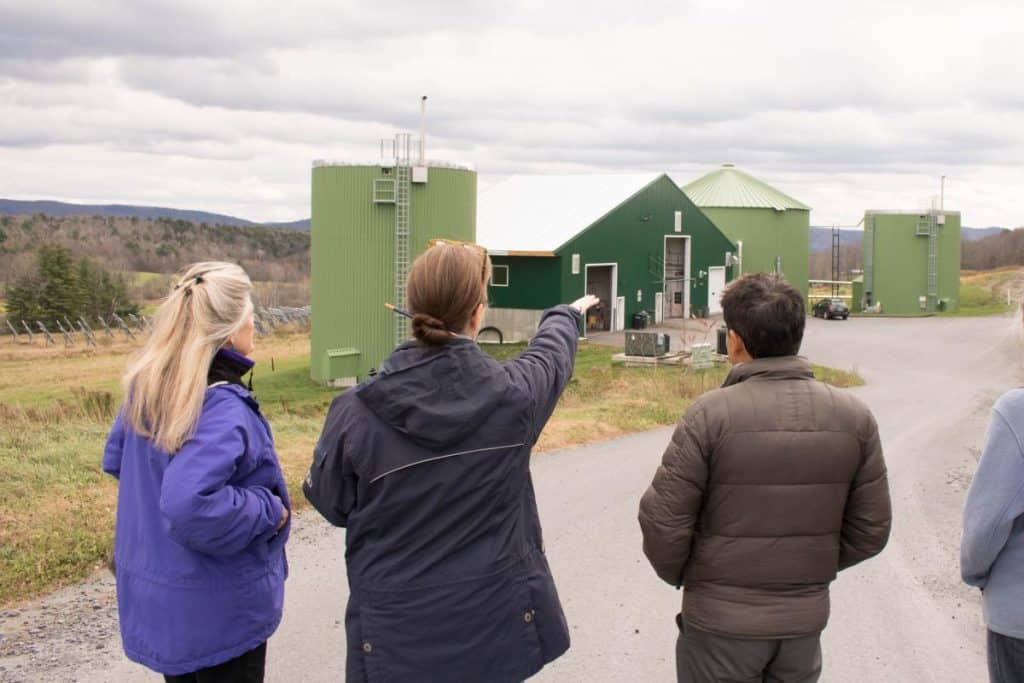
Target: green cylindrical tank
[(353, 256), (773, 227), (912, 261)]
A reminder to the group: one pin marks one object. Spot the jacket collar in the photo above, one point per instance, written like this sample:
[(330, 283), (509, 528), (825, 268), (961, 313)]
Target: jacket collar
[(229, 366), (781, 367)]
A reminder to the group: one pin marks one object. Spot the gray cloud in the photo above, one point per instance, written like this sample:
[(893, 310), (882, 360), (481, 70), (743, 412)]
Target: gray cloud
[(883, 94)]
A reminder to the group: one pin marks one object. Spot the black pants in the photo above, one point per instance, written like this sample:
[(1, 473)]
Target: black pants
[(1005, 658), (246, 668), (703, 657)]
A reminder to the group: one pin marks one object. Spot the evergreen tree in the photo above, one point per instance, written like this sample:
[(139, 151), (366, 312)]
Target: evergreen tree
[(61, 287), (59, 294), (23, 301)]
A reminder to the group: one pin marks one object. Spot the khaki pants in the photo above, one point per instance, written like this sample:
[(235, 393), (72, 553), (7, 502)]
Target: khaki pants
[(703, 657)]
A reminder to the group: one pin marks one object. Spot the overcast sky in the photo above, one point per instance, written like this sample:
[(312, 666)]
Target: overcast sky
[(222, 106)]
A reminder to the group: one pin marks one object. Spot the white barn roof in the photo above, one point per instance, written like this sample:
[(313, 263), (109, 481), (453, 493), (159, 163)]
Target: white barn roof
[(540, 213)]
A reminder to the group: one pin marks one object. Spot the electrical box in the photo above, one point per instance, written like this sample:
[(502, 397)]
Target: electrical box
[(649, 344), (419, 174)]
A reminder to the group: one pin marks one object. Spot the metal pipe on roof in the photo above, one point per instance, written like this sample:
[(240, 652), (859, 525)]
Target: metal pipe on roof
[(423, 130)]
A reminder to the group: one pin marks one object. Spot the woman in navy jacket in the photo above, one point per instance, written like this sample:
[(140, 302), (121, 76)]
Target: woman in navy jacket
[(202, 509), (427, 466)]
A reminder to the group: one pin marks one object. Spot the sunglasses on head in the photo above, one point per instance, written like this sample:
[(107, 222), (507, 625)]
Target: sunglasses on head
[(469, 245)]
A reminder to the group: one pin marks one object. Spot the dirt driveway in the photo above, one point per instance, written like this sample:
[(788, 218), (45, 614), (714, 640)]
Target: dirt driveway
[(901, 617)]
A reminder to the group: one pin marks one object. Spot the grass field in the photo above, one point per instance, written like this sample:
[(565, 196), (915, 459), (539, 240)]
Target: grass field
[(984, 292), (56, 405)]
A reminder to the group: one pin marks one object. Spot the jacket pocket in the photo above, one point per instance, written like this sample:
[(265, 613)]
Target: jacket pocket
[(474, 631)]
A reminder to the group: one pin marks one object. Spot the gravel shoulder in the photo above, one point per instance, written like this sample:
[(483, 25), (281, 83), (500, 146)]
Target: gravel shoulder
[(930, 383)]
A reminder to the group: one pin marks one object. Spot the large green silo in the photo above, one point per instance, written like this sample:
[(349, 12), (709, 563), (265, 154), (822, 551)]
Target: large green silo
[(356, 211), (773, 227), (912, 261)]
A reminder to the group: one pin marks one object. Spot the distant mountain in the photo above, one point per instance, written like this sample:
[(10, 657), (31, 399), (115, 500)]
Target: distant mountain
[(17, 207), (301, 224), (975, 234), (821, 238)]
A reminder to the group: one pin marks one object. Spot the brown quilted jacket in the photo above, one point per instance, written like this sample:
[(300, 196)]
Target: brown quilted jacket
[(770, 485)]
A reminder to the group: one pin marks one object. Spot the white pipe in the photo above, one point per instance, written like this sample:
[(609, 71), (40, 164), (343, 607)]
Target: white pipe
[(423, 130)]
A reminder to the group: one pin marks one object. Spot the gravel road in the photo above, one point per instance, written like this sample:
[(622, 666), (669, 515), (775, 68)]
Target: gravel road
[(903, 616)]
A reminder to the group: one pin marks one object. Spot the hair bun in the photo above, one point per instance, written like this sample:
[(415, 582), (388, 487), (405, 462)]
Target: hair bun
[(429, 330)]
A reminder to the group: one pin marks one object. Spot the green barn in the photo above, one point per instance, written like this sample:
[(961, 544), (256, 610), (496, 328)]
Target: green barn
[(635, 241), (369, 221), (771, 229), (911, 262)]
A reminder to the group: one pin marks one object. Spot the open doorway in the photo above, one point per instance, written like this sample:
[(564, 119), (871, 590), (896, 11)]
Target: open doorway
[(676, 301), (601, 282)]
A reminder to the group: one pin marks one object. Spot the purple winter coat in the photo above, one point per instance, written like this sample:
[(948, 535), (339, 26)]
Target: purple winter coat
[(200, 565)]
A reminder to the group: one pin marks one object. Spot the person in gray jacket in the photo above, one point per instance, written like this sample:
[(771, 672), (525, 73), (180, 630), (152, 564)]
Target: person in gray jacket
[(992, 548)]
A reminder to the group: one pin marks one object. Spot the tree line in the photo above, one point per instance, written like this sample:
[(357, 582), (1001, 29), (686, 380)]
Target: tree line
[(1004, 248), (61, 288), (160, 245)]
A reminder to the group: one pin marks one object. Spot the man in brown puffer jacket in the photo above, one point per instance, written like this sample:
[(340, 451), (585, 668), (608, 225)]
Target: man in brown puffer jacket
[(770, 485)]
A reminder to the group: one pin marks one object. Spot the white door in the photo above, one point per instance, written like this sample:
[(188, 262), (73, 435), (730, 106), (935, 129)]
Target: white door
[(659, 310), (716, 285), (620, 314)]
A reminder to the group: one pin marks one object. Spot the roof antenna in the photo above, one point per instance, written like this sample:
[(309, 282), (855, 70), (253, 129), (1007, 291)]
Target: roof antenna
[(423, 131)]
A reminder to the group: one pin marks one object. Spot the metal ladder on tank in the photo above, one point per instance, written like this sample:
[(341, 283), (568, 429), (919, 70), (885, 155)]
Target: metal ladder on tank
[(928, 225), (403, 172)]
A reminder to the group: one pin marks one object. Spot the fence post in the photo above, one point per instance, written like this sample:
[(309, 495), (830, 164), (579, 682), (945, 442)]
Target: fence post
[(106, 327), (124, 326), (46, 333), (14, 332), (68, 339), (31, 337), (87, 333)]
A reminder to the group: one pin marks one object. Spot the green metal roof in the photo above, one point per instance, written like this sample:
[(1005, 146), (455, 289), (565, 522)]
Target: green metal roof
[(729, 187)]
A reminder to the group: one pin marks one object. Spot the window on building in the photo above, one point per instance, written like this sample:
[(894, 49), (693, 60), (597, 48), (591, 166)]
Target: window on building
[(499, 276), (575, 264)]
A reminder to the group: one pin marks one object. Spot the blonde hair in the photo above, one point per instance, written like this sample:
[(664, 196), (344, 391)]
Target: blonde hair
[(165, 383)]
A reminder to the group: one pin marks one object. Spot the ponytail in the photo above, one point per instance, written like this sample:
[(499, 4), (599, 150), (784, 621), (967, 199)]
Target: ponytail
[(165, 383)]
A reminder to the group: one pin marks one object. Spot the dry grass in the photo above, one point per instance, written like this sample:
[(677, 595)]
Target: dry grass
[(57, 507)]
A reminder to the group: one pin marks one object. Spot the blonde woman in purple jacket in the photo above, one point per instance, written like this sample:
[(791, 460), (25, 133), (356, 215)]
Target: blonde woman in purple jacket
[(202, 509)]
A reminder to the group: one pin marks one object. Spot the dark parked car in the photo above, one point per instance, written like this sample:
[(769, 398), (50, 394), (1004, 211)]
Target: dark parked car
[(831, 308)]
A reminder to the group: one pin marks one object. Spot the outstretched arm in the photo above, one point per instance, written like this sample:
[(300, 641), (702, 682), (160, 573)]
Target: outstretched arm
[(546, 366)]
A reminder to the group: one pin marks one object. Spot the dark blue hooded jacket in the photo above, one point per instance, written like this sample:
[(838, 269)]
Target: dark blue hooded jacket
[(200, 565), (427, 465)]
